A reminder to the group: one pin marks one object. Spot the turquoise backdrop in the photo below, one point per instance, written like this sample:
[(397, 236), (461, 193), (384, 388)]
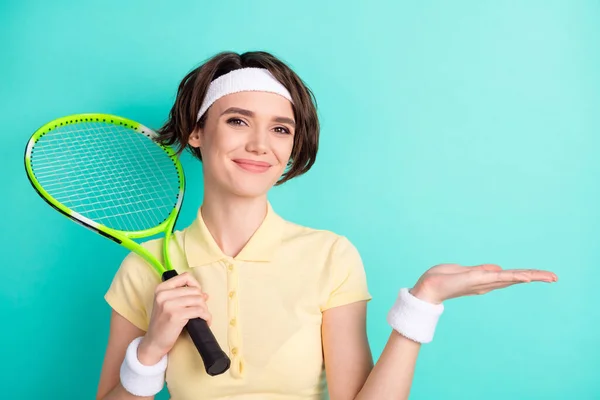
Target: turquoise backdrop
[(462, 132)]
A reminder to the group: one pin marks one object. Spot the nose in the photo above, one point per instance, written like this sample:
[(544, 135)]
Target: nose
[(258, 141)]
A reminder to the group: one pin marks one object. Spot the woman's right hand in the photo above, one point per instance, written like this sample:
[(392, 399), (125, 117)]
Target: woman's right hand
[(176, 301)]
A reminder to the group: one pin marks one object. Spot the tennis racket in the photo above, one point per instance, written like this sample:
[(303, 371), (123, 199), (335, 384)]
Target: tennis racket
[(108, 174)]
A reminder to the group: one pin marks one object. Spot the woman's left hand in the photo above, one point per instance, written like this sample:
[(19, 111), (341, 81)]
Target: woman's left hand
[(446, 281)]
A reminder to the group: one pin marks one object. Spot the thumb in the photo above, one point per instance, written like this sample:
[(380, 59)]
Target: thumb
[(485, 267)]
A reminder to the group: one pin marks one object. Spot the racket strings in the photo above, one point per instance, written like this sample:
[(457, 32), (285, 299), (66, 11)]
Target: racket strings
[(116, 178), (110, 174)]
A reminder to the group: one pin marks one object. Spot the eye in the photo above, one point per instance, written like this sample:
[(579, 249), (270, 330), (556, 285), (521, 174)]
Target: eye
[(235, 121), (282, 129)]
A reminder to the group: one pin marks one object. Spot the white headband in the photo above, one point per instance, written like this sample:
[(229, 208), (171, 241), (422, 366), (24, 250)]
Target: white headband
[(242, 80)]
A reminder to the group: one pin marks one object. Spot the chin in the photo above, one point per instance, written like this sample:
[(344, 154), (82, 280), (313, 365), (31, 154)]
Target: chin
[(250, 188)]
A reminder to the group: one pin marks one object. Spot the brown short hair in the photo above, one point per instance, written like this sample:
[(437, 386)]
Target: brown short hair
[(192, 89)]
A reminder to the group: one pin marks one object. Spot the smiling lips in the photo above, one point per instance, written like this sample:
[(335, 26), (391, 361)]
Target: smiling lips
[(251, 165)]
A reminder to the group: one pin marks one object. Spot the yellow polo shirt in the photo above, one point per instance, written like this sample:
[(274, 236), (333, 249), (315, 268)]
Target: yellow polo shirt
[(266, 303)]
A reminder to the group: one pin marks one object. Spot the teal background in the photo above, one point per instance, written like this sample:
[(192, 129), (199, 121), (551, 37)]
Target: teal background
[(463, 132)]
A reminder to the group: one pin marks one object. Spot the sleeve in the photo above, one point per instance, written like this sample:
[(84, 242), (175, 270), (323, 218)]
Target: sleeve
[(131, 293), (347, 281)]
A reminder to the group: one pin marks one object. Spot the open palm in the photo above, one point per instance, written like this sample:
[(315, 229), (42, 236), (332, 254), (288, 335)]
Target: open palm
[(446, 281)]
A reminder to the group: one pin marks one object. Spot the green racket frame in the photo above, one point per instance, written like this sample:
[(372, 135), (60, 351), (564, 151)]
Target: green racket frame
[(124, 238)]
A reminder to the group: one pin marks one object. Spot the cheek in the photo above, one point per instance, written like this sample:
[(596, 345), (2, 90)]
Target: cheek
[(219, 144), (283, 151)]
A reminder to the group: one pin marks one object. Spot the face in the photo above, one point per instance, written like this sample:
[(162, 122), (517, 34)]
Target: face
[(246, 142)]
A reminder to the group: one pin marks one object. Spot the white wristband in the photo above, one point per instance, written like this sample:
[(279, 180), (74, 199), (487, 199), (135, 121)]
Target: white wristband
[(414, 318), (139, 379)]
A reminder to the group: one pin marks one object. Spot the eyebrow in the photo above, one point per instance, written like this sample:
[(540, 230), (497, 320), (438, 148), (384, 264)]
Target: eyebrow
[(248, 113)]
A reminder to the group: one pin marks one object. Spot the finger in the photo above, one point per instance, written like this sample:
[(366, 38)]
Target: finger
[(185, 279), (505, 276), (490, 287), (165, 295), (535, 274), (540, 275), (197, 312), (521, 278), (485, 267), (495, 286), (183, 302), (457, 268)]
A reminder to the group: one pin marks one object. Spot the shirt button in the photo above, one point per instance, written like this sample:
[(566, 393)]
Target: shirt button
[(234, 351), (231, 294), (232, 322), (230, 267)]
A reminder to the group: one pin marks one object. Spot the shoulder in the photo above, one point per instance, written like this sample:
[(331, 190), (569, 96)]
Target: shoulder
[(330, 259), (295, 231), (325, 242)]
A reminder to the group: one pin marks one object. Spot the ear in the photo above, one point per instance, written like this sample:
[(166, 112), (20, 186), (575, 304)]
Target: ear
[(195, 139)]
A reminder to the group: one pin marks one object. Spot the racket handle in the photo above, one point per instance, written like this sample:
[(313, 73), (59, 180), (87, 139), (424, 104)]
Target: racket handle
[(215, 360)]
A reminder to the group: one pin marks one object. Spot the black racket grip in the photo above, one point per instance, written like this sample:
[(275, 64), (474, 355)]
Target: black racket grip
[(215, 360)]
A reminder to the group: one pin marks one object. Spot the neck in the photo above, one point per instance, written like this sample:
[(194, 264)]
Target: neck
[(232, 220)]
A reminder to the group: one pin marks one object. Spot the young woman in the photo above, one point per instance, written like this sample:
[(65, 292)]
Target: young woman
[(287, 303)]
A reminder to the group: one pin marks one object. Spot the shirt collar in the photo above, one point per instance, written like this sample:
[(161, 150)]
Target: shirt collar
[(201, 248)]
